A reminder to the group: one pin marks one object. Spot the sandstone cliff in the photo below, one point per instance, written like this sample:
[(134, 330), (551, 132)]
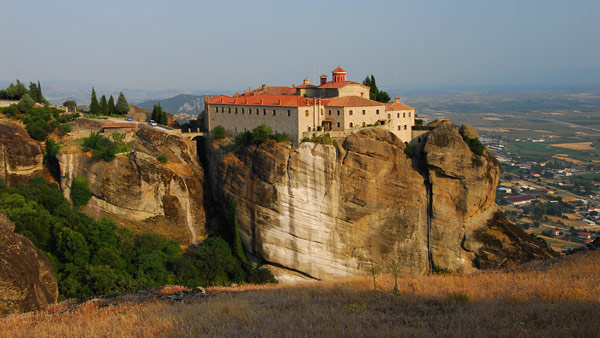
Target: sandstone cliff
[(136, 189), (21, 157), (27, 281), (327, 210)]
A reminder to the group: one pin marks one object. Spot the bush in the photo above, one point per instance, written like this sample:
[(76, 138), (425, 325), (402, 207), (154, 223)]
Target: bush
[(409, 150), (162, 158), (102, 147), (80, 192), (218, 132), (457, 298), (64, 129), (475, 145)]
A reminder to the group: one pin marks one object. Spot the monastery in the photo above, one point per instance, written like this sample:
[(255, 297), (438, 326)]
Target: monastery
[(338, 107)]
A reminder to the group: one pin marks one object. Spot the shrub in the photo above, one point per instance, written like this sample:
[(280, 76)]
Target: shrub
[(162, 158), (64, 129), (457, 298), (218, 132), (440, 271), (475, 145), (261, 134), (244, 138), (80, 191), (409, 150)]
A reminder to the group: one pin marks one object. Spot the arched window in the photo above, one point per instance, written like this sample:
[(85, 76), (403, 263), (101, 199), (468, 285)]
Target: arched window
[(338, 124), (350, 112), (330, 112), (309, 129), (364, 112), (403, 114), (364, 124), (338, 113), (389, 116), (229, 109), (306, 113), (236, 110), (274, 112), (377, 112), (398, 115), (351, 125), (242, 111)]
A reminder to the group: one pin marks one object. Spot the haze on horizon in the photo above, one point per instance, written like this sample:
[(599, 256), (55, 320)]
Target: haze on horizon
[(230, 45)]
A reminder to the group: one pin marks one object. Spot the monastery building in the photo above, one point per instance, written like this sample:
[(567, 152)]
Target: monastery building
[(337, 107)]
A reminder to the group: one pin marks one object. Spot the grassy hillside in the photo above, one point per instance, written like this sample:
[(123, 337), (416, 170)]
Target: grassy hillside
[(551, 299)]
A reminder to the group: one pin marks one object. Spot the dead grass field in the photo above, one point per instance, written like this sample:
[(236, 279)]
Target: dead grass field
[(547, 299), (575, 146), (565, 157)]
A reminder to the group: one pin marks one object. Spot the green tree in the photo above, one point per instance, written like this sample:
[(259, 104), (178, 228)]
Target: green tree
[(111, 105), (25, 103), (103, 105), (122, 106), (156, 112), (218, 132), (94, 107), (375, 94), (80, 191), (71, 104)]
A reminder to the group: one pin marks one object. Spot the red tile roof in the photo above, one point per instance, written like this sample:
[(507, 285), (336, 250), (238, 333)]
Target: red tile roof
[(263, 100), (118, 125), (306, 86), (521, 198), (393, 106), (340, 84), (339, 70), (352, 101)]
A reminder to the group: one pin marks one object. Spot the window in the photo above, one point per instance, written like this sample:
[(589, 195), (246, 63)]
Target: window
[(257, 111), (330, 112), (322, 111), (399, 127), (377, 112), (264, 112), (242, 111), (306, 113), (289, 112), (364, 124), (338, 124), (338, 113), (351, 125), (398, 115), (236, 110), (229, 109), (408, 114), (308, 128), (274, 112), (350, 112), (403, 114), (405, 127), (389, 116), (364, 112)]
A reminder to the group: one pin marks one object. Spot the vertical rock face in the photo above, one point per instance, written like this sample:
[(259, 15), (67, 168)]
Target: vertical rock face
[(140, 192), (27, 281), (326, 210), (21, 157)]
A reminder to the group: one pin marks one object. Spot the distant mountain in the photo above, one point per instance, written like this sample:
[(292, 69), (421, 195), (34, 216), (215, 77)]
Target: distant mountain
[(180, 104)]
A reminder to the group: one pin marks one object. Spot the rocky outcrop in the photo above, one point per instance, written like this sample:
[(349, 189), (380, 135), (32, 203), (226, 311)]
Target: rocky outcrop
[(327, 210), (21, 157), (140, 192), (27, 281)]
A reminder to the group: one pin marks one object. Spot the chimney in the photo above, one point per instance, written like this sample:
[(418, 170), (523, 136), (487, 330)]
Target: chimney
[(250, 88), (306, 82), (264, 87), (244, 91), (323, 79), (397, 100), (261, 101)]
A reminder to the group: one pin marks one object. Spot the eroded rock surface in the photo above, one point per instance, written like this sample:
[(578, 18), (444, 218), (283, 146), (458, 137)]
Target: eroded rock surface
[(21, 157), (327, 210), (140, 192), (27, 281)]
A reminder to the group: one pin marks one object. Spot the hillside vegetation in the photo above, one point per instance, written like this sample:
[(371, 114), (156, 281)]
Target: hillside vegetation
[(552, 299)]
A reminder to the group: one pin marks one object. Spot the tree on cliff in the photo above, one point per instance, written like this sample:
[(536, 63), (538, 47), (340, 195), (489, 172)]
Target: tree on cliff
[(376, 94), (71, 104), (122, 106), (103, 105), (94, 107), (35, 91), (111, 105), (159, 115)]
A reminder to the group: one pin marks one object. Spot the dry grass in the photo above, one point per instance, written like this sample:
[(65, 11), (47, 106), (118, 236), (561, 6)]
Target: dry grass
[(565, 157), (575, 146), (550, 299)]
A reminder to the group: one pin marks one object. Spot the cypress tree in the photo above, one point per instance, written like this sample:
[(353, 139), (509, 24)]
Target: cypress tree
[(103, 105), (111, 105), (94, 107), (33, 91), (156, 111), (164, 120), (122, 106), (40, 95)]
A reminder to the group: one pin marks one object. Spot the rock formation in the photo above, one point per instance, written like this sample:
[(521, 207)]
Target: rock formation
[(21, 157), (328, 210), (27, 281), (137, 190)]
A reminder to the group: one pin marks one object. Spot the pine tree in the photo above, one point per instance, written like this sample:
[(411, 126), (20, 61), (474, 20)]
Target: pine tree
[(375, 94), (164, 120), (103, 105), (40, 95), (111, 105), (156, 111), (33, 91), (94, 107), (122, 106)]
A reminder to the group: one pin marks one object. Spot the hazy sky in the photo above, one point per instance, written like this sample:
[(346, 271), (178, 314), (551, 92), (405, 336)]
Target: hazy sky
[(224, 44)]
